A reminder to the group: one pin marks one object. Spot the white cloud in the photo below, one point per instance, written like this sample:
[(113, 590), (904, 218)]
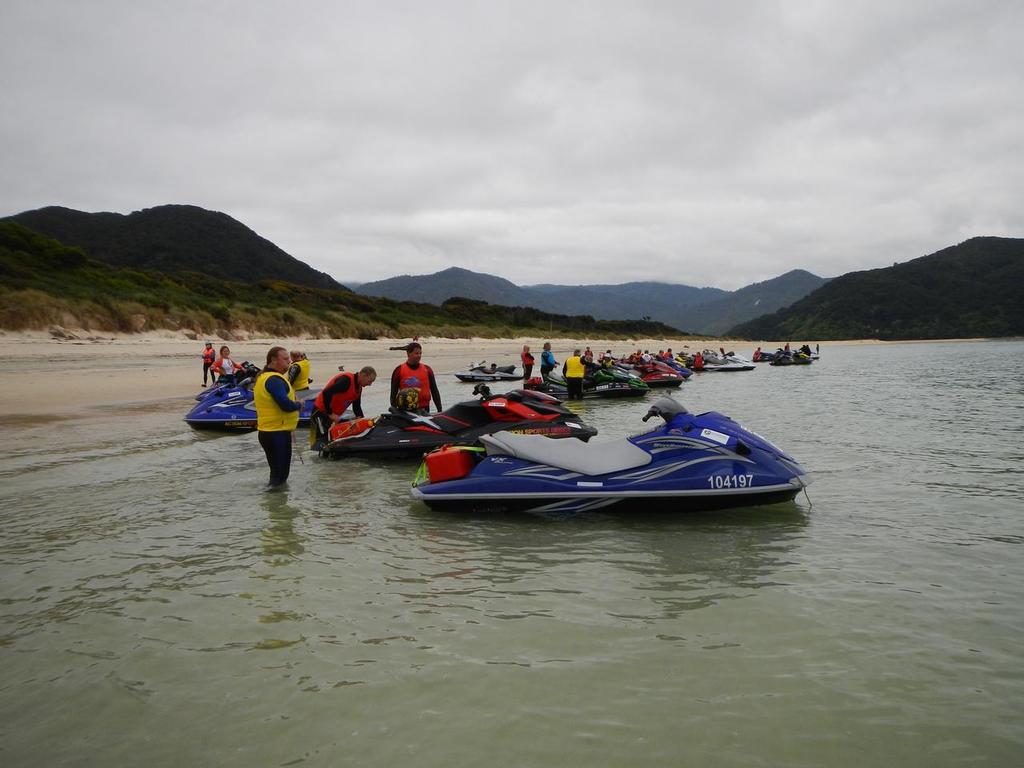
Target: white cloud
[(709, 143)]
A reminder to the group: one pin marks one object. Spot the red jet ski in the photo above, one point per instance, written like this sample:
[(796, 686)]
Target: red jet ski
[(655, 374), (409, 434)]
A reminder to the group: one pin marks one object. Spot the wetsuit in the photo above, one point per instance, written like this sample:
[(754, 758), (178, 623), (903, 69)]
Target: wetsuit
[(408, 376), (547, 363), (276, 418)]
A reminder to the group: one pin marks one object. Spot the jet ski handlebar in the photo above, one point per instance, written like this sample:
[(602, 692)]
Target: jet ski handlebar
[(665, 407)]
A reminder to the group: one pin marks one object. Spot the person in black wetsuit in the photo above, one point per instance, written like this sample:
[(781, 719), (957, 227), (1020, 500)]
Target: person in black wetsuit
[(277, 414)]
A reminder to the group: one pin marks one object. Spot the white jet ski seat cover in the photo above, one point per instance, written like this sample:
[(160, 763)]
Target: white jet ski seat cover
[(591, 458)]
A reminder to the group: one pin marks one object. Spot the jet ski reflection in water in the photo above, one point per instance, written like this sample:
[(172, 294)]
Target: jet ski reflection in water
[(690, 462), (408, 434)]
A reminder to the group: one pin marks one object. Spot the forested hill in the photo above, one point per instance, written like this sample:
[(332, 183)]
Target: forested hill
[(45, 283), (974, 289), (174, 238), (749, 302)]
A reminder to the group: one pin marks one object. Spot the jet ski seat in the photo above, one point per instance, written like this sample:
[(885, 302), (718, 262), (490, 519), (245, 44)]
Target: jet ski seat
[(588, 458)]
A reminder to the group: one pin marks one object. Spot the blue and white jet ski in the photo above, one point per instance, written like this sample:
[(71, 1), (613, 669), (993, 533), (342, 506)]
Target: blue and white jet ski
[(231, 408), (691, 462)]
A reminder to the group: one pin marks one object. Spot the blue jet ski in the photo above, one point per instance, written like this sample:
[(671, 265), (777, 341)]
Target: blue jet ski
[(231, 408), (704, 461)]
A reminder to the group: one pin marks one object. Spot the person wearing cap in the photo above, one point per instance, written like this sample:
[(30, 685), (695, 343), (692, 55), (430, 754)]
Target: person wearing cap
[(414, 375), (209, 355), (298, 371), (574, 370)]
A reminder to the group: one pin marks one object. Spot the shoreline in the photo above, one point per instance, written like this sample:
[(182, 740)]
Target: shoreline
[(71, 375)]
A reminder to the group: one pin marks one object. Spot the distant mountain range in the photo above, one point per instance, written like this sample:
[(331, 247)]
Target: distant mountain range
[(174, 239), (696, 310), (974, 289)]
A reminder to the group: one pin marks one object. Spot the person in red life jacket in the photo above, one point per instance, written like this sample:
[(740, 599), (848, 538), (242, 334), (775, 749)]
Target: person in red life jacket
[(698, 362), (528, 362), (208, 357), (757, 354), (412, 374), (342, 391)]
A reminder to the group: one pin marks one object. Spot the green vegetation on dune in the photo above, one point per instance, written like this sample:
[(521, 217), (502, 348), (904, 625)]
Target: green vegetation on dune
[(43, 282), (974, 289)]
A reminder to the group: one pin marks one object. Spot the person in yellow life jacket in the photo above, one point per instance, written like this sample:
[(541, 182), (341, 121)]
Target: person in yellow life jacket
[(209, 355), (413, 374), (341, 391), (298, 371), (277, 414), (574, 370)]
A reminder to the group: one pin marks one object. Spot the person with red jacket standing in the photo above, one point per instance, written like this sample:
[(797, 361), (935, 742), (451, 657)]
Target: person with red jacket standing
[(528, 362), (209, 355), (342, 390), (414, 375)]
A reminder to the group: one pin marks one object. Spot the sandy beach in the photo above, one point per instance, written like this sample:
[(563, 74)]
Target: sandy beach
[(98, 370)]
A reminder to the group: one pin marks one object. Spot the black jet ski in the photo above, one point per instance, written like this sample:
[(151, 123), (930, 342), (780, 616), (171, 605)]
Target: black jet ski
[(408, 434), (490, 372)]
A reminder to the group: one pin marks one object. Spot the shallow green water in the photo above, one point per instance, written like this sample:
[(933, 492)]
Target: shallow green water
[(159, 609)]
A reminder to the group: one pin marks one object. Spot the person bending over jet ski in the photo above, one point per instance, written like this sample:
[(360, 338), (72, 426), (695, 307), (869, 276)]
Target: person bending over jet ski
[(341, 391), (413, 374)]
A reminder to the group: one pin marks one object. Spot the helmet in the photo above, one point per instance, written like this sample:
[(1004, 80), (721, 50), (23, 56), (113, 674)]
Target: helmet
[(408, 399)]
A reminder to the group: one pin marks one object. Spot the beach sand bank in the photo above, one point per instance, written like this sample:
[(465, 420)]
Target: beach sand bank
[(50, 376)]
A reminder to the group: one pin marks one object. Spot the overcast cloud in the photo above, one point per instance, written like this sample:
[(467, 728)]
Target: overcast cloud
[(709, 143)]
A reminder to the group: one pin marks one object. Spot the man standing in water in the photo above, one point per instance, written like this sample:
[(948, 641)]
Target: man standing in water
[(208, 357), (527, 362), (277, 414), (412, 374), (547, 360), (574, 371), (298, 371)]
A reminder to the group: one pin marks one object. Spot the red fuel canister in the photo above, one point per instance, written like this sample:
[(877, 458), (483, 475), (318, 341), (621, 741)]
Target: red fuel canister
[(449, 463)]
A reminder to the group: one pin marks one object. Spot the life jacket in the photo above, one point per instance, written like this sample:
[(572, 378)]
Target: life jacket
[(416, 378), (342, 400), (209, 355), (527, 358), (302, 379), (226, 366), (269, 416), (574, 368), (698, 362)]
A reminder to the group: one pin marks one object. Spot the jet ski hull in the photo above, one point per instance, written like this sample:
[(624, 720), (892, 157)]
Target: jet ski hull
[(389, 442), (234, 410), (470, 377), (692, 463)]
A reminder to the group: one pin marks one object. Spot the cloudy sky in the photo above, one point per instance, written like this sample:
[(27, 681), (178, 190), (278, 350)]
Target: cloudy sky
[(709, 143)]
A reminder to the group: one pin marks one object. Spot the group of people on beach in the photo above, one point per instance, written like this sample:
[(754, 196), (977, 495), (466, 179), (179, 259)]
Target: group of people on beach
[(278, 387)]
